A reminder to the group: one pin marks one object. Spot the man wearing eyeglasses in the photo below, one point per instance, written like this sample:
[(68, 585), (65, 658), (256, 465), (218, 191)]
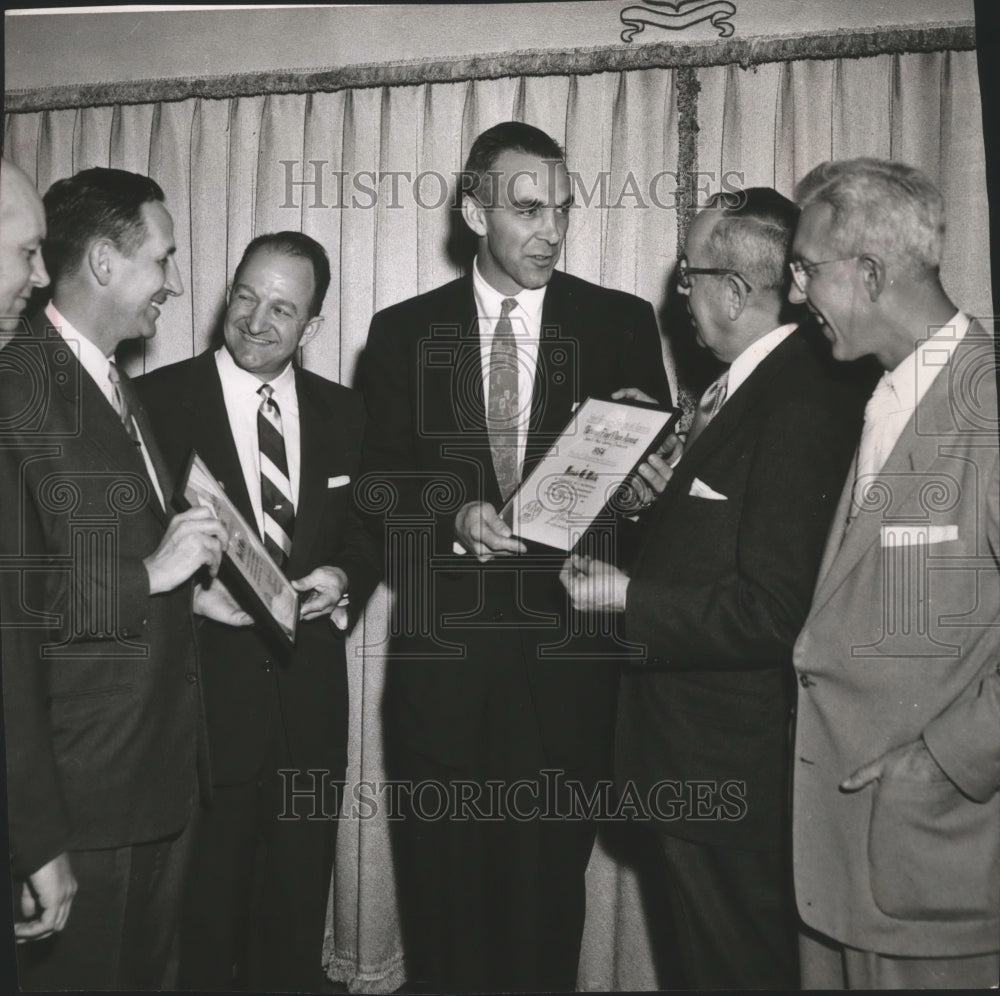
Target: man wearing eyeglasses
[(896, 833), (718, 595), (491, 681)]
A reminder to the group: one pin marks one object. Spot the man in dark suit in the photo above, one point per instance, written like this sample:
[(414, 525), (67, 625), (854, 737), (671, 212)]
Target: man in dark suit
[(717, 597), (101, 699), (491, 680), (277, 720)]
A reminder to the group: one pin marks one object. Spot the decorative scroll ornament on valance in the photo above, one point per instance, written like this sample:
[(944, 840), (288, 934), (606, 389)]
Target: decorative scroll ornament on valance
[(678, 16)]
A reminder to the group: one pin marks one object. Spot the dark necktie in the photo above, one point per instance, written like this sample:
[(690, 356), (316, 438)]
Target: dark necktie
[(121, 403), (275, 487), (503, 409), (708, 407)]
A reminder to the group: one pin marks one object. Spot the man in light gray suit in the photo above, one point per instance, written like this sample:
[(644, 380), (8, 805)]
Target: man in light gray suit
[(896, 818)]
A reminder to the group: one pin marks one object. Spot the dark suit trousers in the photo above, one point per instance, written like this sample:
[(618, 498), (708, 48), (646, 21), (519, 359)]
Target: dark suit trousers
[(734, 915), (491, 905), (122, 923), (254, 907)]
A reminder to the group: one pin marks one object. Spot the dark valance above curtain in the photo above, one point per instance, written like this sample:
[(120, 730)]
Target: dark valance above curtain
[(611, 58)]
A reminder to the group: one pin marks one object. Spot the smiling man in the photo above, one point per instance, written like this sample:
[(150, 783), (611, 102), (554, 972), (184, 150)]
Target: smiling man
[(285, 443), (102, 712), (897, 748), (490, 679), (718, 594), (22, 228)]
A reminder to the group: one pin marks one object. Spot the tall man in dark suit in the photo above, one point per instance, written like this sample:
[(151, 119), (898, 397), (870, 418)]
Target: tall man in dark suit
[(717, 597), (101, 698), (286, 444), (490, 679)]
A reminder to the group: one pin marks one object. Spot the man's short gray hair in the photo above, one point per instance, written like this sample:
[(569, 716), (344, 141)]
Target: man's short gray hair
[(754, 235), (879, 207)]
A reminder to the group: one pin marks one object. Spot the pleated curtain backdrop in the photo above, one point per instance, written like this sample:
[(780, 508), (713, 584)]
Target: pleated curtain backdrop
[(233, 168)]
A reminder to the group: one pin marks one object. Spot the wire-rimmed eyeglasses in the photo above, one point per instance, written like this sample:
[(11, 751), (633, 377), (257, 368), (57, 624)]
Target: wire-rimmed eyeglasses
[(803, 270)]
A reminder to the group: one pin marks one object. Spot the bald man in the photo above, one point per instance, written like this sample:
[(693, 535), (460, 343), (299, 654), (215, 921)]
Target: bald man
[(22, 228)]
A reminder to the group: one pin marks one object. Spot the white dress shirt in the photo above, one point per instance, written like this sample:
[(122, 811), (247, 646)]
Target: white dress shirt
[(98, 366), (239, 391)]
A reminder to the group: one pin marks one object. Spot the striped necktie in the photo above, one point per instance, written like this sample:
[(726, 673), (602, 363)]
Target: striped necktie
[(275, 487), (708, 407), (503, 409), (121, 405)]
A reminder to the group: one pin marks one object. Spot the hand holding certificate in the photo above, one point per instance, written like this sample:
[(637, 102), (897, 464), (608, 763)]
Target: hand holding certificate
[(250, 569), (584, 469)]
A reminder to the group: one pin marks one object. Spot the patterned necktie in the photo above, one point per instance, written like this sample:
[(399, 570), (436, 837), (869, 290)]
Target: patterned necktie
[(275, 488), (503, 409), (708, 407), (120, 394)]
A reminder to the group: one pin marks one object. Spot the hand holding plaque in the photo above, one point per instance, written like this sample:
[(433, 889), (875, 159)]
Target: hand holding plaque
[(595, 455), (248, 568)]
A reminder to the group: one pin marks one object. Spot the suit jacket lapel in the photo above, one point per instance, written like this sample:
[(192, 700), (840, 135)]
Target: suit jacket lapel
[(763, 380), (905, 470), (554, 390), (167, 484), (314, 439), (103, 431), (453, 393), (205, 407)]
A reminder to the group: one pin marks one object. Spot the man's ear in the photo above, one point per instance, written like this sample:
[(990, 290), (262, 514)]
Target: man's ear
[(100, 257), (736, 297), (311, 328), (474, 214), (874, 275)]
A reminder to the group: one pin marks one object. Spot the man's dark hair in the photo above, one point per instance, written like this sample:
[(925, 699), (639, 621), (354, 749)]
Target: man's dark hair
[(295, 244), (507, 136), (94, 204), (754, 235)]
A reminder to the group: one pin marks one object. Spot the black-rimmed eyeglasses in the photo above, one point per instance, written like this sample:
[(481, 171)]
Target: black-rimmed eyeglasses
[(685, 270)]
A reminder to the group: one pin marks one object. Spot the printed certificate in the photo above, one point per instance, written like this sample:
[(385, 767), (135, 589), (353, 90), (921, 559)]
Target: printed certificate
[(249, 570), (584, 469)]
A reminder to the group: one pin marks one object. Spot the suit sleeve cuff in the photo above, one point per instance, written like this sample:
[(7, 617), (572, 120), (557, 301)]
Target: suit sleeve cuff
[(133, 598)]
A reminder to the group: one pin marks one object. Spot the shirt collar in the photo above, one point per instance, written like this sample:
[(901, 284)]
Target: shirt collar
[(909, 382), (90, 356), (242, 382), (489, 300), (751, 357)]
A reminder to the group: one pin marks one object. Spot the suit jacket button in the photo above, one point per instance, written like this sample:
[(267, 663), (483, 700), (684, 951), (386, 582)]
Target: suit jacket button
[(191, 677), (267, 665)]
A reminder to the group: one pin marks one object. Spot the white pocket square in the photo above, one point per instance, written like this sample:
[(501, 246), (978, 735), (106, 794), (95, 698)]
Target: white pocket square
[(699, 489), (916, 535), (338, 482)]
